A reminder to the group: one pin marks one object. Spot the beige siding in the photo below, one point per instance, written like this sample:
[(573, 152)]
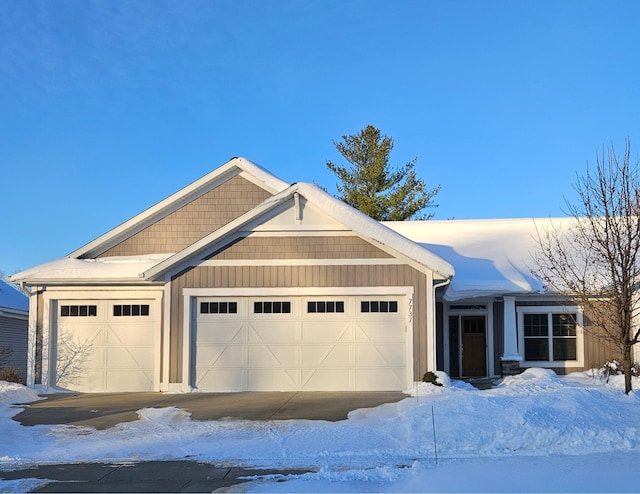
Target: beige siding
[(596, 350), (299, 276), (193, 221), (300, 248)]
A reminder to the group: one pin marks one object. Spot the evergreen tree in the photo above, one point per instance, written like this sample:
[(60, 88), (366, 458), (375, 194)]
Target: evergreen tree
[(372, 186)]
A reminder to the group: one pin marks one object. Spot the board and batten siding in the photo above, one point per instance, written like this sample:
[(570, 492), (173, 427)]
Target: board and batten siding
[(193, 221), (300, 247), (287, 276)]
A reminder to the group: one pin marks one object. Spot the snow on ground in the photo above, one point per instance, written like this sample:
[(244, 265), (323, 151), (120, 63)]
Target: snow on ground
[(533, 432)]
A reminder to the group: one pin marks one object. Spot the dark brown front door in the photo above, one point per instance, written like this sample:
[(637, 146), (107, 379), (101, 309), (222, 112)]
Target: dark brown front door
[(474, 346)]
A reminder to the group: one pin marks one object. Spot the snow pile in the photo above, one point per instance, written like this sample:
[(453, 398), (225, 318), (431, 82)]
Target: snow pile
[(12, 393), (534, 422)]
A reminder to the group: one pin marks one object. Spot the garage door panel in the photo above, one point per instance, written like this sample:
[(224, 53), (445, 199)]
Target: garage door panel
[(381, 355), (272, 332), (370, 331), (326, 356), (325, 331), (125, 335), (266, 356), (221, 356), (81, 334), (124, 381), (129, 358), (375, 379), (270, 379), (88, 381), (232, 379), (326, 379), (211, 334)]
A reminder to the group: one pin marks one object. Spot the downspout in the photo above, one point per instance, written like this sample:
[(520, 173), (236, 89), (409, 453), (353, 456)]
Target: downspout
[(434, 349)]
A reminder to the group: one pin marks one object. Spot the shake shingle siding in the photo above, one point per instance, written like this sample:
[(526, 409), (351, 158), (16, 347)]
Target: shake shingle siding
[(193, 221)]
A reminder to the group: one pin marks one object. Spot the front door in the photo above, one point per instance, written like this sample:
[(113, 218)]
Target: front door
[(474, 346)]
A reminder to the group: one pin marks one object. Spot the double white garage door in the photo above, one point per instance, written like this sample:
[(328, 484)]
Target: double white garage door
[(299, 343), (103, 345)]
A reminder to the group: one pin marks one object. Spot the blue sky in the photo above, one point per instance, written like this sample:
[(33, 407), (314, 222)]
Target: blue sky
[(108, 107)]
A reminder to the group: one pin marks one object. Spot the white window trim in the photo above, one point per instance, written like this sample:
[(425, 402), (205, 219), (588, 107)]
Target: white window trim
[(552, 309)]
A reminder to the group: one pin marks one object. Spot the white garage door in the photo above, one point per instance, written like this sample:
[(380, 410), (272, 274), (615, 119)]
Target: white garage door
[(104, 345), (299, 343)]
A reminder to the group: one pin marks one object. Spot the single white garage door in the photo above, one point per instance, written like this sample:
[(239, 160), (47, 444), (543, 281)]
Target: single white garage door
[(104, 345), (299, 343)]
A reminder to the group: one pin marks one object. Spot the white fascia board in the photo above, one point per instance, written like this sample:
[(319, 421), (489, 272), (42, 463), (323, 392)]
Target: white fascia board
[(91, 282), (236, 166)]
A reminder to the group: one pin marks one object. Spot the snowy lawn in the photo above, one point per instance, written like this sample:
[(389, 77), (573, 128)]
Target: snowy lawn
[(534, 432)]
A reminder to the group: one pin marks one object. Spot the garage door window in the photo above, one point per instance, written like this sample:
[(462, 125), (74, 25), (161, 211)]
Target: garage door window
[(126, 310), (78, 311), (330, 306), (272, 307), (379, 306), (218, 307)]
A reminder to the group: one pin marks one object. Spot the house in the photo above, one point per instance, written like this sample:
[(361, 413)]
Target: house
[(14, 330), (241, 281)]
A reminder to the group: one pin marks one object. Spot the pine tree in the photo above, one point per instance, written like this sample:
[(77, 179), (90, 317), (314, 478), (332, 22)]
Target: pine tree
[(372, 186)]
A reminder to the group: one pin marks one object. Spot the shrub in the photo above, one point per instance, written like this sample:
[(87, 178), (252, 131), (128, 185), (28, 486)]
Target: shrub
[(615, 368), (431, 378), (12, 375)]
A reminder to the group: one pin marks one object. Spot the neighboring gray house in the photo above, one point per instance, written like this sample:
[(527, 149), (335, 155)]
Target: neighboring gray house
[(14, 329)]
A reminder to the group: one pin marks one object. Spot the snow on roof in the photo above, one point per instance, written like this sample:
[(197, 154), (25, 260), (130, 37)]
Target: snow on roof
[(491, 257), (104, 269), (11, 298)]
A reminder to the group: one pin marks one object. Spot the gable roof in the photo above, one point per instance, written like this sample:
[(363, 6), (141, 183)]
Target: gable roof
[(359, 223), (11, 298), (236, 166), (491, 257)]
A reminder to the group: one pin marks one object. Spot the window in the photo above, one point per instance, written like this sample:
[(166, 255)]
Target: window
[(218, 307), (550, 336), (127, 310), (78, 310), (272, 307), (379, 306), (318, 307)]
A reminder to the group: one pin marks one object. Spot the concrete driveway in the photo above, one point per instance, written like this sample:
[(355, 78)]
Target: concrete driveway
[(104, 410)]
